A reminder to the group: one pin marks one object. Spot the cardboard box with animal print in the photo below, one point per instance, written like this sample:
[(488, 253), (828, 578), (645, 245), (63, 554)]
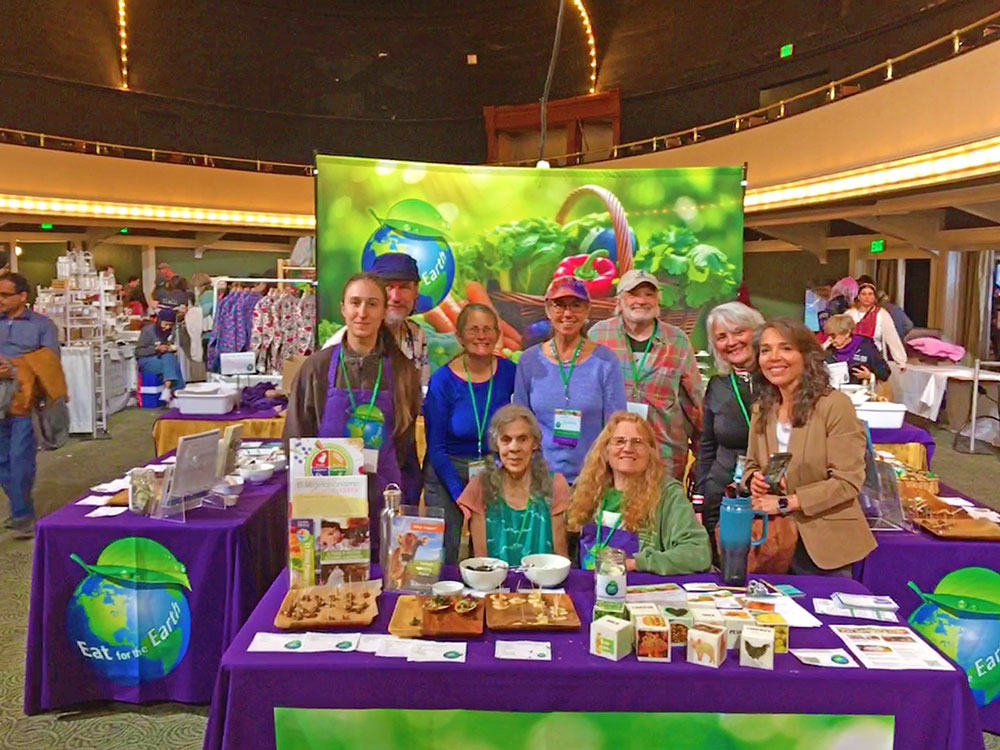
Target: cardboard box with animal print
[(611, 638), (757, 647), (706, 645), (780, 626), (652, 637), (679, 619), (709, 617)]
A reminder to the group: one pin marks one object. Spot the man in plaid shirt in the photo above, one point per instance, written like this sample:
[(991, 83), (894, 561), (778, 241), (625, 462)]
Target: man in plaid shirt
[(662, 382)]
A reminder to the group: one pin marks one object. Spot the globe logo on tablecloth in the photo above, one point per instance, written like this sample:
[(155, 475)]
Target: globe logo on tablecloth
[(416, 228), (129, 618), (962, 618)]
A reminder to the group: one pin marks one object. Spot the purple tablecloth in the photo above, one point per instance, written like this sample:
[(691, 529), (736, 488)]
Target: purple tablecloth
[(230, 555), (933, 710), (924, 559), (908, 433), (235, 414)]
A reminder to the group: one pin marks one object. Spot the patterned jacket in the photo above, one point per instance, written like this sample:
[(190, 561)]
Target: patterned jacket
[(669, 383)]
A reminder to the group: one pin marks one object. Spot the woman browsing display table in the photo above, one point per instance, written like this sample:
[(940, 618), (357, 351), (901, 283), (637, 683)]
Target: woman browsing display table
[(876, 323), (798, 412), (571, 384), (516, 508), (461, 399), (728, 399), (623, 498), (363, 386)]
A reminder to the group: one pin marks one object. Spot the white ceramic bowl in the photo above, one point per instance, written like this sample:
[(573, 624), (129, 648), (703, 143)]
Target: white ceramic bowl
[(256, 472), (447, 588), (279, 461), (545, 570), (483, 580)]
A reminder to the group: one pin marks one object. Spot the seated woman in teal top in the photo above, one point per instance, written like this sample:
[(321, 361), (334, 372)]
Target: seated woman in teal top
[(515, 506)]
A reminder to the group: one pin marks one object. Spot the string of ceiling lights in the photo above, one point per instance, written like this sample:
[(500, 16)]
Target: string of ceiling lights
[(123, 42)]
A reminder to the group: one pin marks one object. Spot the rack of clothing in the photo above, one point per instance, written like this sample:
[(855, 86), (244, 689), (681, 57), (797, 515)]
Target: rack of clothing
[(275, 326)]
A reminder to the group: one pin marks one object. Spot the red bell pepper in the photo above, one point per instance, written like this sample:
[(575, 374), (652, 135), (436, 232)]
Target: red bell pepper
[(596, 269)]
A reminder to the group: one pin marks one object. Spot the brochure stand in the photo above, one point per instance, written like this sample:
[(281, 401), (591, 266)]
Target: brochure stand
[(416, 549), (194, 474), (879, 496)]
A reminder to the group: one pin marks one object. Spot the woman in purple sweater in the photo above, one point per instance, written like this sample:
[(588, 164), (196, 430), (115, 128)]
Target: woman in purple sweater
[(570, 383)]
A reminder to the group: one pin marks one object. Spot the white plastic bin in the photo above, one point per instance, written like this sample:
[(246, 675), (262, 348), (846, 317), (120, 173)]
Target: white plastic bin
[(882, 414), (222, 402)]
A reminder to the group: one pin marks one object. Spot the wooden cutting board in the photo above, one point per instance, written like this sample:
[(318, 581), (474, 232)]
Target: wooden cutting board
[(411, 620), (347, 605), (531, 611), (960, 528)]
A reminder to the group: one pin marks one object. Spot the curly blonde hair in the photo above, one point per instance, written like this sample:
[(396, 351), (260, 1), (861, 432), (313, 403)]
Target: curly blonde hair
[(641, 494)]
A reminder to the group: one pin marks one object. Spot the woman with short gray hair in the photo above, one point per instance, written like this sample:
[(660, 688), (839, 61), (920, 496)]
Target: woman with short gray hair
[(516, 507), (728, 397)]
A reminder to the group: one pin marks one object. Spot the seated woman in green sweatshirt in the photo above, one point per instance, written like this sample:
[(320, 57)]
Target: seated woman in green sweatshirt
[(623, 498)]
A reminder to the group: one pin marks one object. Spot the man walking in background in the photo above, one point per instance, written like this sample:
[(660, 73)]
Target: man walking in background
[(30, 370)]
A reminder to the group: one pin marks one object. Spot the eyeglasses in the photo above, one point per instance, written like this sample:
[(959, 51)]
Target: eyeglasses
[(621, 442), (477, 331), (7, 295), (573, 304)]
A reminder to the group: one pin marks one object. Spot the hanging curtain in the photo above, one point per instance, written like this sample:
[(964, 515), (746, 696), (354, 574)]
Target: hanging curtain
[(977, 268), (886, 277)]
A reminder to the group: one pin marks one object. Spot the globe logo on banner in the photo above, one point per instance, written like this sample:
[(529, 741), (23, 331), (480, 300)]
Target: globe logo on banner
[(962, 618), (129, 618), (416, 228)]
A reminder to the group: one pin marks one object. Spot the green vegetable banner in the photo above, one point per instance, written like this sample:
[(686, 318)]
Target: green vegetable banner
[(315, 728), (500, 235)]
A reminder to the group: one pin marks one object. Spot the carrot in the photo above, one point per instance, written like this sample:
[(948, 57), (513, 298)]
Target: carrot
[(439, 321), (476, 292), (510, 333), (450, 308)]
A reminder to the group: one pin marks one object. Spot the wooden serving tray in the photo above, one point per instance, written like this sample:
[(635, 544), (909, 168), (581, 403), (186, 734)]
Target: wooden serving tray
[(531, 610), (411, 620), (960, 527), (348, 605)]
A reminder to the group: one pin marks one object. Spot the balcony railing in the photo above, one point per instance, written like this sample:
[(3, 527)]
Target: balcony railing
[(983, 31)]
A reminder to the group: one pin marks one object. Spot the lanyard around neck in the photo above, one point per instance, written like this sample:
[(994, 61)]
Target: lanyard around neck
[(638, 368), (572, 365), (480, 423), (739, 397), (350, 393), (599, 542), (524, 523)]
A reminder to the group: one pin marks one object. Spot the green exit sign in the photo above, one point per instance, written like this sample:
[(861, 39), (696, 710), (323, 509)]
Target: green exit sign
[(877, 246), (787, 49)]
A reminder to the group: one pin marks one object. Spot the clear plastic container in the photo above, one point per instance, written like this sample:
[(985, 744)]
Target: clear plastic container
[(609, 574)]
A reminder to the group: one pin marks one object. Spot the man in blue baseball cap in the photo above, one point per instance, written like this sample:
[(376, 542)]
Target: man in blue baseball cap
[(402, 281)]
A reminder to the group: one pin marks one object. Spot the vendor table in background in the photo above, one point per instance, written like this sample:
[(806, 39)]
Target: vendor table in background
[(257, 423), (230, 557), (933, 710), (922, 388), (912, 445), (925, 559)]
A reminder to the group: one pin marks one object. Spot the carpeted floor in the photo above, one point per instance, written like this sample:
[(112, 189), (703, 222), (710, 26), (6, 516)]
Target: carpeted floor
[(68, 472)]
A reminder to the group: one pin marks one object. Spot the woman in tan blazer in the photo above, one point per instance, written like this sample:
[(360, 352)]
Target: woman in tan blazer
[(799, 413)]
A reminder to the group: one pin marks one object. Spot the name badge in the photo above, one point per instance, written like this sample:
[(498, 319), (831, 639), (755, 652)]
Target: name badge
[(566, 427), (370, 456), (476, 468), (634, 407), (609, 519)]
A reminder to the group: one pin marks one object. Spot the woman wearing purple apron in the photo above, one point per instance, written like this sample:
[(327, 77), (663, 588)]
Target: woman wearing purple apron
[(363, 387), (623, 498)]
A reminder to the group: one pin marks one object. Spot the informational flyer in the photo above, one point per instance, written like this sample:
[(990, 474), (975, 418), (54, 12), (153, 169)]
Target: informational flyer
[(890, 647), (329, 540), (832, 609), (416, 550)]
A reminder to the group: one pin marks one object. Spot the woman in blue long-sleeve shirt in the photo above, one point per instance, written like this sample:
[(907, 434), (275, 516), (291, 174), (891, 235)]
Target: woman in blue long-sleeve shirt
[(461, 400)]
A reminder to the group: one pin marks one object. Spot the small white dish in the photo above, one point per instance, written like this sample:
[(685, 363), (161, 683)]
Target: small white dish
[(447, 588), (494, 572), (256, 472)]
